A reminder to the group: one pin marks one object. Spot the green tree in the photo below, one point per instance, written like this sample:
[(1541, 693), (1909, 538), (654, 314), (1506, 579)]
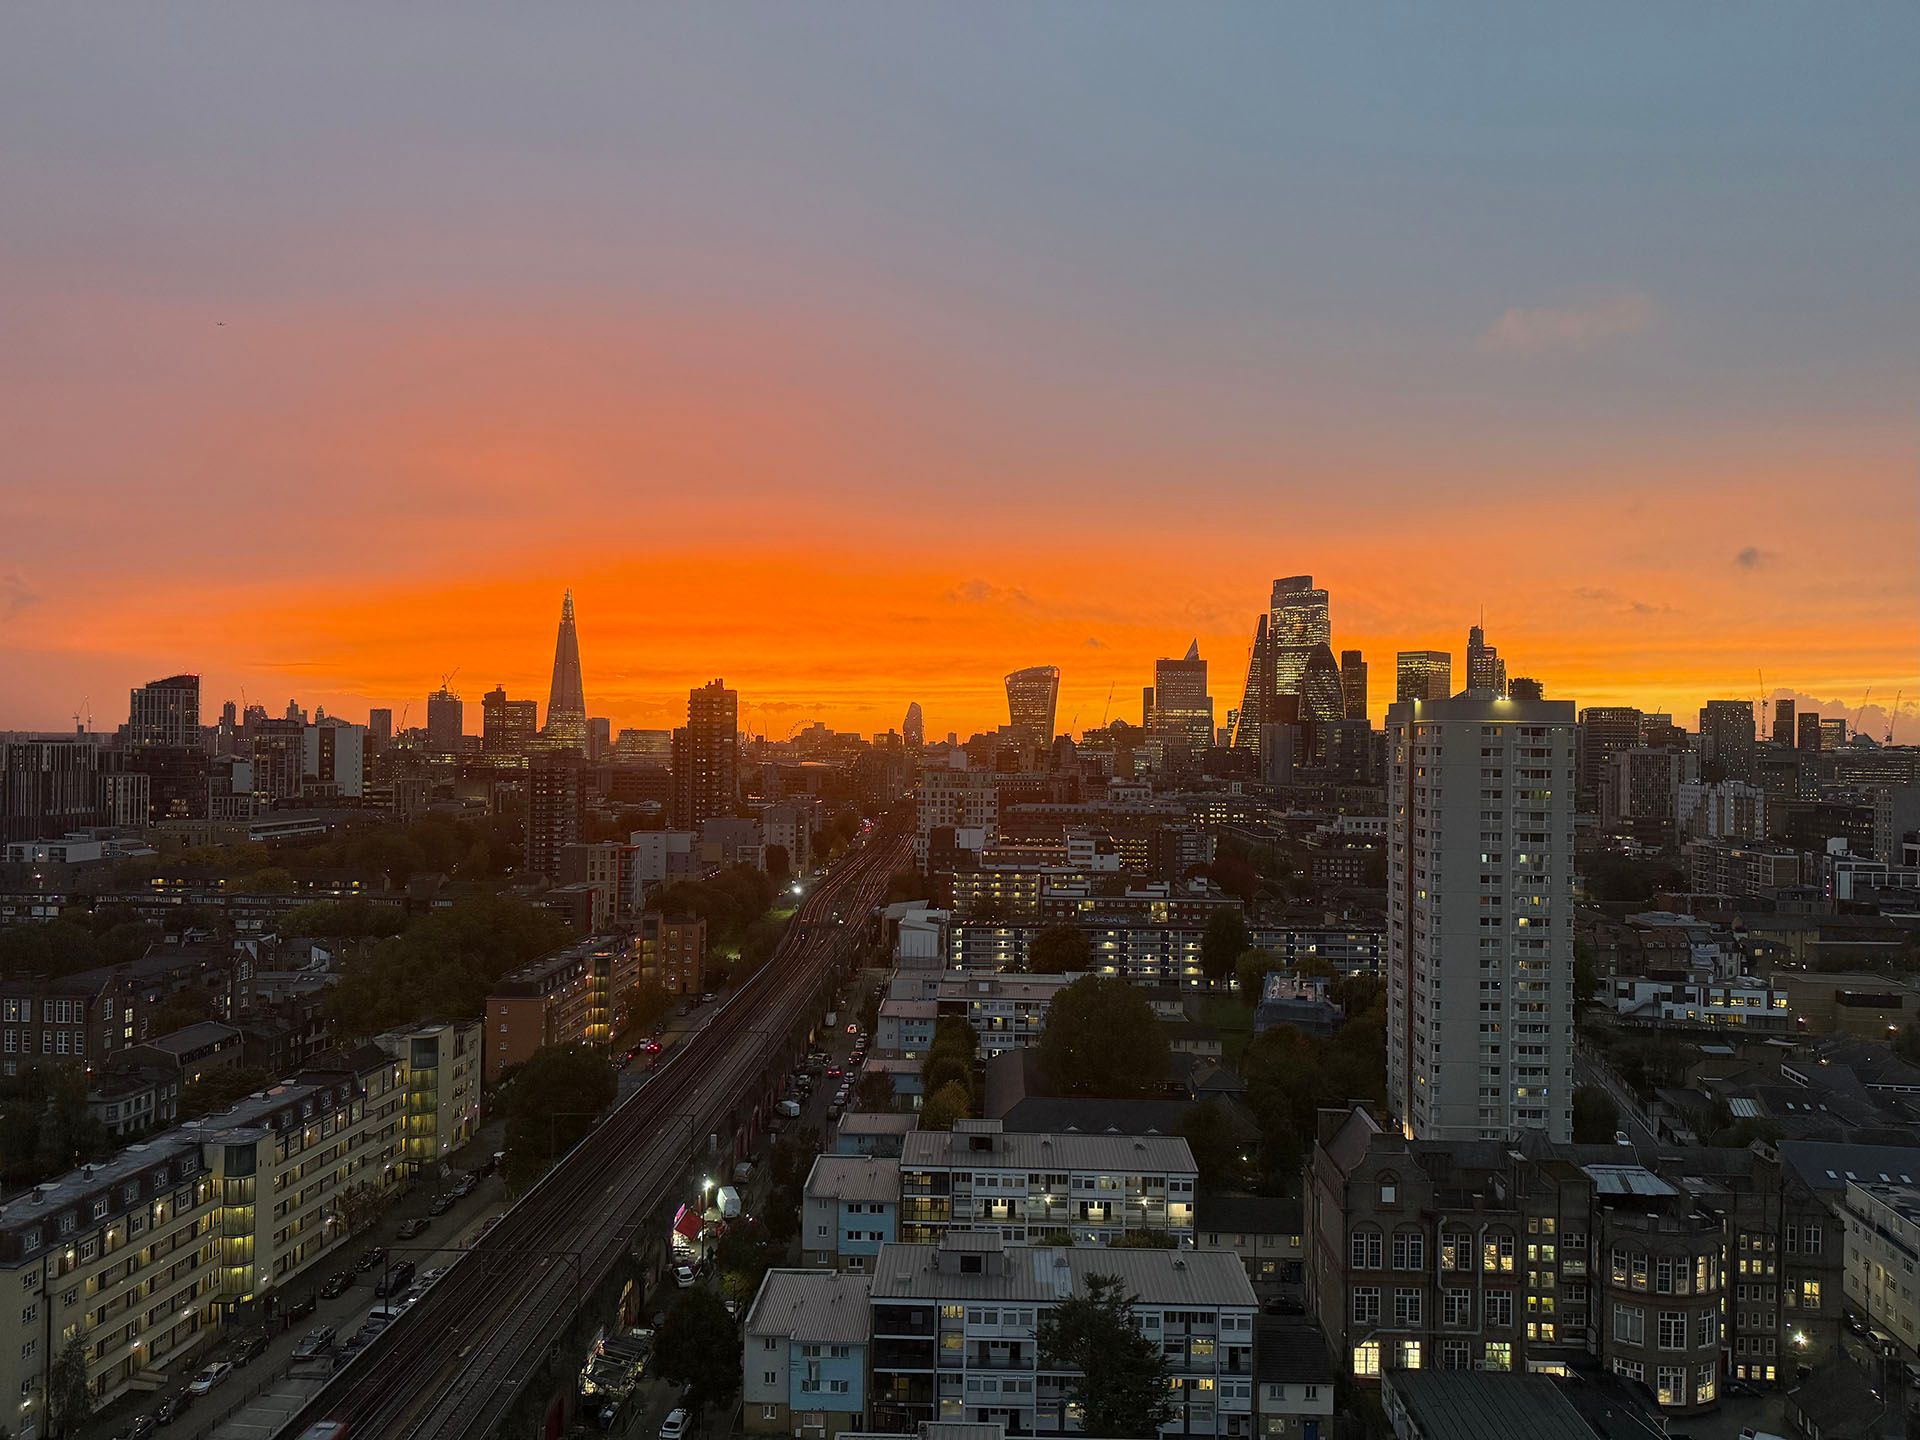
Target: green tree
[(745, 1253), (1059, 950), (550, 1103), (1101, 1038), (875, 1091), (1586, 976), (182, 1008), (951, 1102), (1595, 1116), (698, 1347), (1122, 1383), (1216, 1154), (69, 1397), (355, 919), (650, 1003), (1250, 976), (1224, 942)]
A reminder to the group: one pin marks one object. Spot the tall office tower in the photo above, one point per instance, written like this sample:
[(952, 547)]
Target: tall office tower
[(1180, 714), (599, 738), (567, 701), (507, 727), (1033, 694), (1480, 996), (1486, 671), (1146, 707), (165, 712), (1256, 696), (380, 725), (1353, 683), (1423, 675), (706, 756), (913, 729), (50, 788), (1323, 698), (1525, 687), (1605, 730), (294, 712), (1807, 730), (279, 753), (1833, 732), (1299, 621), (230, 715), (1783, 724), (446, 722), (1726, 740), (556, 808)]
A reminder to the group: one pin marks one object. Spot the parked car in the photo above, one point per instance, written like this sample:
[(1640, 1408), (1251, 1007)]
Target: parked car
[(373, 1255), (683, 1276), (143, 1426), (173, 1408), (708, 998), (337, 1284), (208, 1379), (427, 1277), (303, 1307), (315, 1342), (394, 1280), (251, 1349), (414, 1229), (442, 1203), (674, 1427)]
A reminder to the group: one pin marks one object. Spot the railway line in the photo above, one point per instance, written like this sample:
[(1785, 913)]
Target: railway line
[(456, 1361)]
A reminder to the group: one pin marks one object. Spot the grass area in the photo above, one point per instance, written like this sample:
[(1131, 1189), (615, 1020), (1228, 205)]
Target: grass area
[(1234, 1021)]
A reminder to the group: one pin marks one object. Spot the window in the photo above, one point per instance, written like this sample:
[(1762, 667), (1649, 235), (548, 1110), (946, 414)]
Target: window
[(1389, 1192), (1366, 1250), (1673, 1330), (1409, 1250), (1456, 1251), (1499, 1355), (1407, 1309), (1810, 1294), (1456, 1306), (1630, 1324), (1670, 1385), (1708, 1328), (1409, 1354), (1366, 1305), (1500, 1309), (1705, 1385), (1496, 1256), (1366, 1358), (1453, 1355)]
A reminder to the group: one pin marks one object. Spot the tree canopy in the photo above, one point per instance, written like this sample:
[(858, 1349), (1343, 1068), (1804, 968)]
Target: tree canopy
[(549, 1103), (45, 1129), (218, 1090), (698, 1347), (1101, 1038), (1223, 943), (1059, 950), (949, 1103), (1209, 1134), (1290, 1075), (1595, 1116), (1122, 1384)]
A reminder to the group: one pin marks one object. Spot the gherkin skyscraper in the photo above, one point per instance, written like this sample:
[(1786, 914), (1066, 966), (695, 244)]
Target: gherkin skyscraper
[(567, 702)]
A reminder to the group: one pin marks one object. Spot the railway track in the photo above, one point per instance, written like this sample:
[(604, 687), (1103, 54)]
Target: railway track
[(454, 1363)]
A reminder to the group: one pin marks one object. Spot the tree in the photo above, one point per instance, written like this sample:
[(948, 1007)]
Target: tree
[(1122, 1380), (1586, 976), (1595, 1117), (650, 1003), (550, 1103), (217, 1090), (1059, 950), (1101, 1038), (69, 1397), (1250, 975), (1216, 1154), (182, 1008), (875, 1091), (779, 865), (951, 1102), (1225, 940), (745, 1253), (698, 1347)]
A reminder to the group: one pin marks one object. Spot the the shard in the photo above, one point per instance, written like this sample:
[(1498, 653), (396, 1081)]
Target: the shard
[(567, 702)]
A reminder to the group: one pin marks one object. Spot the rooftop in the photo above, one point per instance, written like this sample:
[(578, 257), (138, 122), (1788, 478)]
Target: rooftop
[(1290, 1352), (1104, 1154), (827, 1307), (1050, 1272), (863, 1178), (1472, 1405)]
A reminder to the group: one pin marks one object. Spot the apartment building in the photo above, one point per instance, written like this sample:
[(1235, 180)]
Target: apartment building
[(92, 1015), (441, 1080), (1045, 1189), (116, 1257), (850, 1208), (1742, 870), (955, 1331), (804, 1355), (1007, 1012), (570, 997), (673, 952), (905, 1027), (1694, 999), (1882, 1248), (958, 799)]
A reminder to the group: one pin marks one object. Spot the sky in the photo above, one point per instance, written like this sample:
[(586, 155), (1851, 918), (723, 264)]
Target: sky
[(859, 354)]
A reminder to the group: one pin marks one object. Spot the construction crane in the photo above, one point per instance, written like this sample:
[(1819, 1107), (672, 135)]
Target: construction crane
[(446, 681), (1109, 705), (1893, 715), (1860, 714)]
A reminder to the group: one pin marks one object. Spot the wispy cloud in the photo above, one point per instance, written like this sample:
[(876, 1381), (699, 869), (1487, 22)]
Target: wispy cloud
[(1601, 595), (985, 592), (1753, 558), (15, 595), (1094, 642), (1582, 325)]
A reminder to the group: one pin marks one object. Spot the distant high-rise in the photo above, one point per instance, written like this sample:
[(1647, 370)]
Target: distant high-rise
[(1180, 714), (1423, 675), (1486, 671), (1525, 687), (1480, 997), (446, 722), (913, 729), (1353, 683), (706, 756), (380, 725), (1323, 696), (1807, 730), (1783, 734), (1033, 695), (165, 712), (1256, 697), (1605, 731), (1299, 621), (567, 701), (599, 737), (1726, 740), (557, 793), (507, 727)]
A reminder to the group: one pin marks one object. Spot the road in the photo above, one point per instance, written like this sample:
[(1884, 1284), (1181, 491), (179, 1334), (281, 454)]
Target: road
[(1587, 1071), (454, 1364)]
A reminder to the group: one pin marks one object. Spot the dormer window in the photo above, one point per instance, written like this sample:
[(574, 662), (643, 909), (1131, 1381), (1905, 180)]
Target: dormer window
[(972, 1264)]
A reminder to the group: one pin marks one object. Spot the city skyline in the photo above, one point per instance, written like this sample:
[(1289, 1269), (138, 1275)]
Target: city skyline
[(680, 352)]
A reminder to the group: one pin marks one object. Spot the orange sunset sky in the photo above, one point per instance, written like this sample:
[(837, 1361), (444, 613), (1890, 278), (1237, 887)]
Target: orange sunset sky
[(861, 356)]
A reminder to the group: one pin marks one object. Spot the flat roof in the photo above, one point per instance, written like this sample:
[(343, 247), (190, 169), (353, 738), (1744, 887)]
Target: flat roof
[(1016, 1150), (1046, 1273), (1471, 1405), (826, 1307), (865, 1178)]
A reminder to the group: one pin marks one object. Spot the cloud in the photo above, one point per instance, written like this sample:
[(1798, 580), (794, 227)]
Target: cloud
[(14, 595), (984, 592), (1601, 595), (1094, 642), (1753, 558), (1533, 330)]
